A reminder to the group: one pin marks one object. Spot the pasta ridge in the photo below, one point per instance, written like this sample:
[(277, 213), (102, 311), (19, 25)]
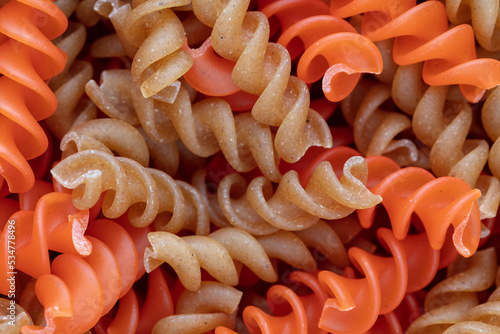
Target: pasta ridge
[(263, 68), (28, 59)]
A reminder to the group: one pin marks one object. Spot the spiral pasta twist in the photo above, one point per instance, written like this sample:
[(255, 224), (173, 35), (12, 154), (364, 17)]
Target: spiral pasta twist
[(144, 192), (213, 304), (29, 235), (330, 39), (79, 290), (450, 299), (151, 34), (359, 302), (483, 17), (205, 127), (414, 190), (482, 318), (449, 55), (28, 58), (444, 129), (263, 68), (215, 253), (298, 203)]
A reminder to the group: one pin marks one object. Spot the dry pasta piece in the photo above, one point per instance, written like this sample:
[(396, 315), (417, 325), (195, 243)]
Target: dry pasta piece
[(283, 101), (378, 131), (78, 291), (297, 203), (53, 225), (483, 318), (28, 59), (449, 300), (483, 17), (444, 128), (453, 62), (204, 127), (357, 303), (215, 253), (213, 304), (144, 192), (151, 34)]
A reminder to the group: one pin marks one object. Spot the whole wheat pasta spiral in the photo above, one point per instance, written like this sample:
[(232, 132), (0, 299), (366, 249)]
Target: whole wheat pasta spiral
[(450, 299), (483, 16), (216, 252), (444, 127), (144, 192), (293, 206), (263, 68), (483, 318), (213, 304), (205, 127)]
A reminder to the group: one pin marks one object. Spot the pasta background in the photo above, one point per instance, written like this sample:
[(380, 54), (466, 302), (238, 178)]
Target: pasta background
[(267, 166)]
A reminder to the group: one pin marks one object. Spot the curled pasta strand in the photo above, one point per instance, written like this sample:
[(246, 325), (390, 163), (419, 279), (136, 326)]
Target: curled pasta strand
[(151, 34), (283, 101), (386, 281), (450, 299), (414, 190), (298, 203), (28, 59), (78, 291), (213, 304), (484, 20), (334, 51), (215, 253), (453, 62), (204, 127), (53, 225), (444, 129), (303, 314), (144, 192), (376, 130)]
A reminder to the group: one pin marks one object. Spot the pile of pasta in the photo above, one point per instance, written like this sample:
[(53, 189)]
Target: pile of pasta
[(264, 166)]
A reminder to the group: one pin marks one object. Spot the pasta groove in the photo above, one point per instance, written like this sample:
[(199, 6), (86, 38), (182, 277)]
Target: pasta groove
[(28, 58), (242, 37)]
